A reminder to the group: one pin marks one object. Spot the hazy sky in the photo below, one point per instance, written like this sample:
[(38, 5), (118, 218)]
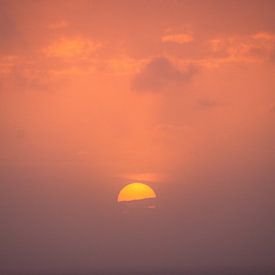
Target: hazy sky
[(98, 94)]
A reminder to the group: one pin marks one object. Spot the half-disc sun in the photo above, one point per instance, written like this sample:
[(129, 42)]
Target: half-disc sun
[(136, 191)]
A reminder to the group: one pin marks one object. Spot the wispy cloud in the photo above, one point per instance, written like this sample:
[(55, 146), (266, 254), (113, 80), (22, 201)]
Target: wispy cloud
[(71, 48), (181, 38), (257, 47)]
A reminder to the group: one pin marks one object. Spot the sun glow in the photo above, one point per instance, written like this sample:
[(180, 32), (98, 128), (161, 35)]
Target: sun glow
[(136, 191)]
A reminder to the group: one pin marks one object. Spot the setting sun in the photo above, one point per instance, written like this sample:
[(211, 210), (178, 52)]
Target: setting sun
[(136, 191), (137, 137)]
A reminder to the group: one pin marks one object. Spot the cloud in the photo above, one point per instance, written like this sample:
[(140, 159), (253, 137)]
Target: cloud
[(28, 78), (71, 48), (124, 64), (205, 103), (253, 48), (177, 38), (10, 36), (25, 73), (160, 75), (58, 25), (264, 36), (61, 58), (144, 177)]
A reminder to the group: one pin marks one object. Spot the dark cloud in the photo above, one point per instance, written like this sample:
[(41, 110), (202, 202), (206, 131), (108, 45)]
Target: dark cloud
[(207, 103), (272, 55), (33, 79), (10, 36), (263, 53), (28, 75), (161, 75)]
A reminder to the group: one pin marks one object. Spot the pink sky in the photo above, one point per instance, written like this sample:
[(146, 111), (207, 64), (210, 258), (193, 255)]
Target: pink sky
[(179, 94)]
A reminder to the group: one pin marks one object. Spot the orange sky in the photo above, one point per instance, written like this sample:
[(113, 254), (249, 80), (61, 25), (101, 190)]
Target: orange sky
[(174, 93)]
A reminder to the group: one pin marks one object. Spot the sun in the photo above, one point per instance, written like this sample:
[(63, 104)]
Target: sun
[(136, 191)]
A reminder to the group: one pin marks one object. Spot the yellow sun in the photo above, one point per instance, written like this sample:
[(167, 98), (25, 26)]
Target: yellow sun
[(136, 191)]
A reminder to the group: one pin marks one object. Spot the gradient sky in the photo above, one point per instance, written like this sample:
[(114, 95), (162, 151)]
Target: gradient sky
[(98, 94)]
